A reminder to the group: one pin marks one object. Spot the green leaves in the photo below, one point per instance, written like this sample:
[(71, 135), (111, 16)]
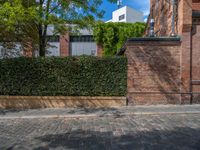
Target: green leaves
[(113, 35), (71, 76), (13, 14), (22, 19)]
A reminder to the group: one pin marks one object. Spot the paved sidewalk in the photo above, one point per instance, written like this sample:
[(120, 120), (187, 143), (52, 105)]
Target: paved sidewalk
[(94, 112), (128, 128), (130, 132)]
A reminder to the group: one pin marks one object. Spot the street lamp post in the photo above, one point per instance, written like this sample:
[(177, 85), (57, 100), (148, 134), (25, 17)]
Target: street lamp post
[(151, 32), (173, 34)]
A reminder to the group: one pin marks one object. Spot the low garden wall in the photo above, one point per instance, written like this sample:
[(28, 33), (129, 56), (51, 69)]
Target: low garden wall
[(61, 82), (26, 102)]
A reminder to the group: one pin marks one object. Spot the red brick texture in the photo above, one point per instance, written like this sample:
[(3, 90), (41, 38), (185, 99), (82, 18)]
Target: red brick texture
[(161, 69), (99, 50), (161, 11), (64, 45), (154, 72), (196, 60), (27, 48), (196, 4)]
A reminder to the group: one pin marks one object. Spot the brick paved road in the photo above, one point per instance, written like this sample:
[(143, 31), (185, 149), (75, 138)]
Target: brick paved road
[(140, 132)]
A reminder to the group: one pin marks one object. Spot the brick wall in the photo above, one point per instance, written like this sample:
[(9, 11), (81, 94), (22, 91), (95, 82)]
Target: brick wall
[(64, 45), (196, 61), (187, 27), (30, 102), (161, 11), (154, 72), (196, 4)]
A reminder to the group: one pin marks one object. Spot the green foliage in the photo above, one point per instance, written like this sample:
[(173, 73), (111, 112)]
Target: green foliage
[(113, 35), (30, 17), (14, 13), (71, 76)]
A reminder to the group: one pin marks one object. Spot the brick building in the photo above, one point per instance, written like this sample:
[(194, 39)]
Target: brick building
[(166, 69)]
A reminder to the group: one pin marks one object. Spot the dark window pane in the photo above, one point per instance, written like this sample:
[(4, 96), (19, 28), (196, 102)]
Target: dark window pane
[(82, 38), (121, 17)]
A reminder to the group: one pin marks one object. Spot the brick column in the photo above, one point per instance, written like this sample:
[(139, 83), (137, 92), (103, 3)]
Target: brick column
[(185, 26), (99, 50), (27, 48), (196, 62), (65, 45), (153, 71)]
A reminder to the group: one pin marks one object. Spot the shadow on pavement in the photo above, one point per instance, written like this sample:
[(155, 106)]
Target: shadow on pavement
[(176, 139), (5, 111), (101, 112)]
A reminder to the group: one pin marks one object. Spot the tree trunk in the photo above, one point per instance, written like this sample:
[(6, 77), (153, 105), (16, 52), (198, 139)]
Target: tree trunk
[(41, 42), (42, 49), (42, 38), (43, 29)]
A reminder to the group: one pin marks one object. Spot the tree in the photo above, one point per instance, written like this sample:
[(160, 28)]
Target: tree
[(17, 24), (19, 16)]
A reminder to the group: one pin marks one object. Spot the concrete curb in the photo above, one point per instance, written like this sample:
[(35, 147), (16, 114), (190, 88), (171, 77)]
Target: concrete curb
[(97, 115)]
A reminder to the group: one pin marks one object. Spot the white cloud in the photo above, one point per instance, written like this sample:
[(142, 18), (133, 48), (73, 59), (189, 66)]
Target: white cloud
[(145, 12)]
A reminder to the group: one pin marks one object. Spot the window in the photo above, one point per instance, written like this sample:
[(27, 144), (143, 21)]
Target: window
[(82, 38), (122, 17)]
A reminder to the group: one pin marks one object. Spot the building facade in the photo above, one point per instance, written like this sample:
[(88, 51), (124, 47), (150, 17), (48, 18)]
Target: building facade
[(187, 26), (166, 68), (127, 14)]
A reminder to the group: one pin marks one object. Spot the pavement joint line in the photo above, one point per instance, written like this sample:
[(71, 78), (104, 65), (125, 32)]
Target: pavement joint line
[(96, 115)]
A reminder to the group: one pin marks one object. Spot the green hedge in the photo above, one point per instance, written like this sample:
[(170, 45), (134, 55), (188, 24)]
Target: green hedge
[(71, 76)]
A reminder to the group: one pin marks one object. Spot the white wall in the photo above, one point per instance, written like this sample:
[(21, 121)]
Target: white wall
[(117, 13), (11, 53), (54, 49), (131, 15), (83, 48)]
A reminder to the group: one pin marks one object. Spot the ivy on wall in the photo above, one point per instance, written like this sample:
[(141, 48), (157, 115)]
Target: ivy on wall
[(113, 35)]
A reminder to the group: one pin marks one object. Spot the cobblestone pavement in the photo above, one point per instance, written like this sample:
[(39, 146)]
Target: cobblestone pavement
[(128, 132)]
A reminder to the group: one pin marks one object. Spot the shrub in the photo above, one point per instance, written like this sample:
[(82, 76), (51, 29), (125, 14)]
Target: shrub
[(71, 76), (112, 36)]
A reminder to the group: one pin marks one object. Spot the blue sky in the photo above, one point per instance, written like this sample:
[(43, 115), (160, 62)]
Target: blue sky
[(141, 5)]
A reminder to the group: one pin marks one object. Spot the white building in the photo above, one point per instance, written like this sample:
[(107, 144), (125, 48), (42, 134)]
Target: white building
[(127, 14)]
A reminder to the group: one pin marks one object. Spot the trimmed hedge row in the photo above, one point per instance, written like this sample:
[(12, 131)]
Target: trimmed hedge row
[(71, 76)]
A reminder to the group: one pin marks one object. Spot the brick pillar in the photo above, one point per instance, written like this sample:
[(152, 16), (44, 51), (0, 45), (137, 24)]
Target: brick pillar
[(65, 45), (99, 50), (27, 48), (196, 5), (185, 26), (27, 52), (196, 62), (153, 71)]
